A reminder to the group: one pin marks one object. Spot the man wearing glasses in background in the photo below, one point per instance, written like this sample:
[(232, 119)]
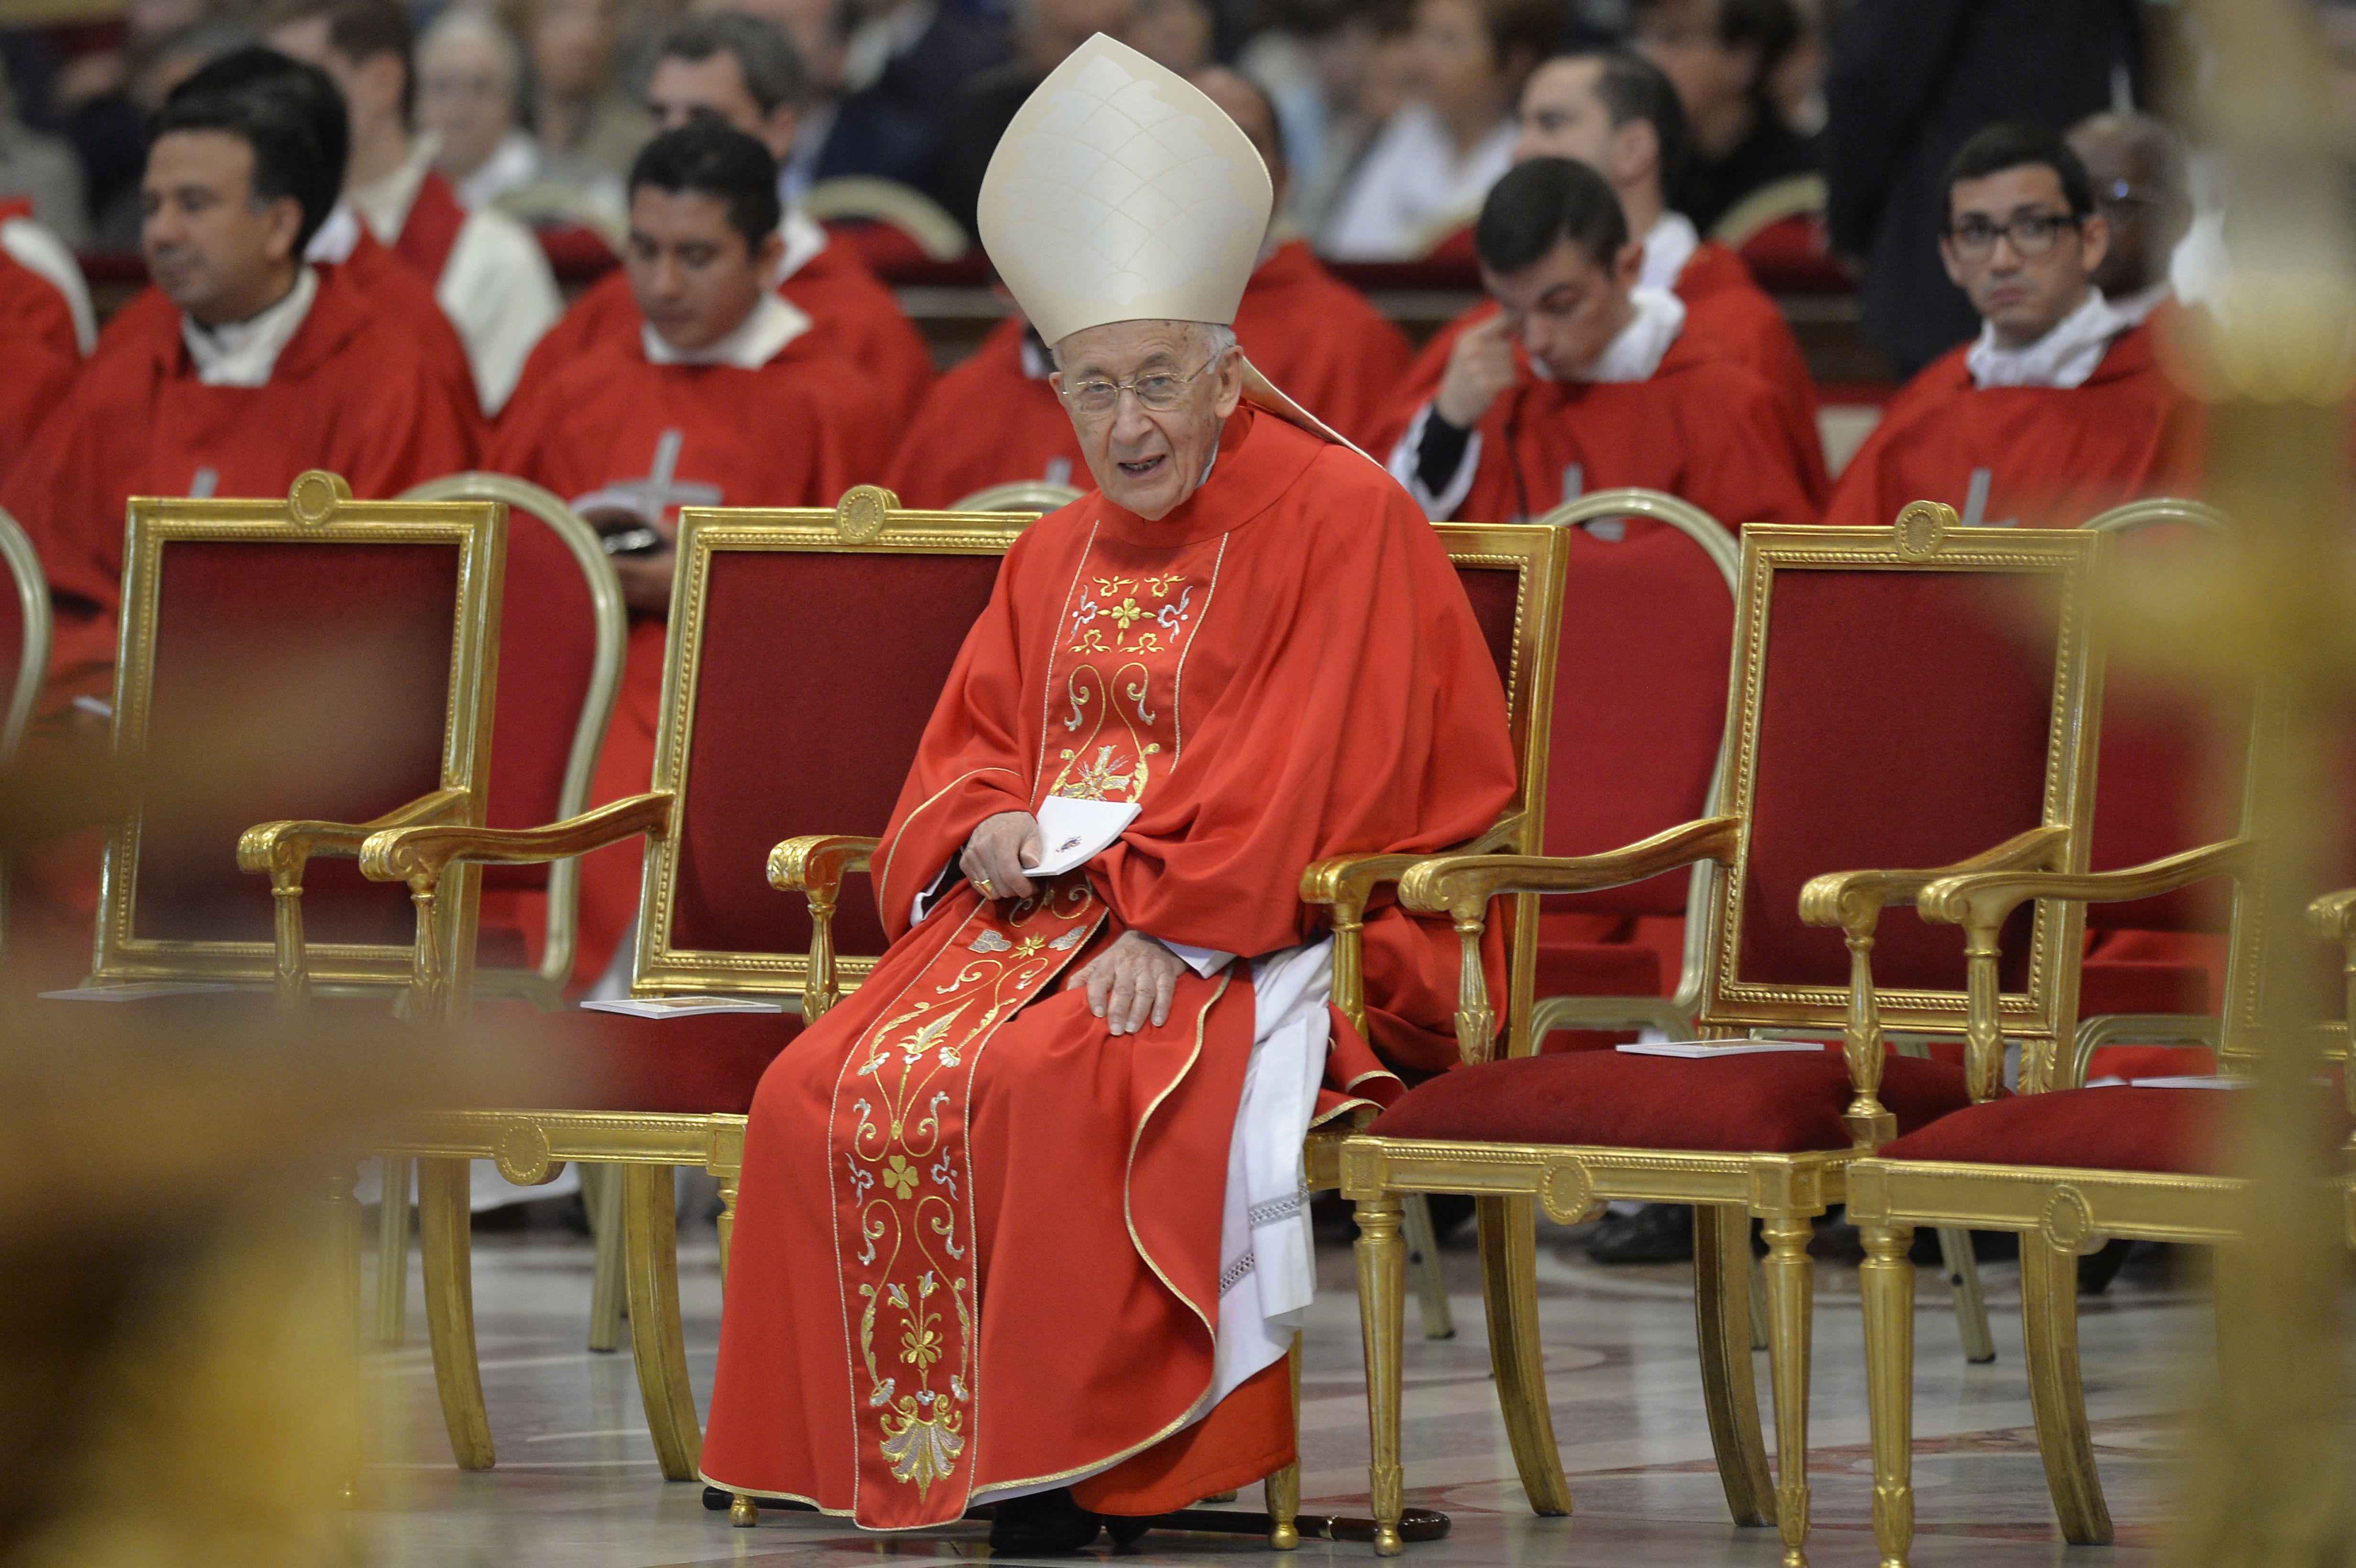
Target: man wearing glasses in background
[(2059, 409)]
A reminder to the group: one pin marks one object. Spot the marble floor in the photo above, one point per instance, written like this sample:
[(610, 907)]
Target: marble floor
[(576, 1483)]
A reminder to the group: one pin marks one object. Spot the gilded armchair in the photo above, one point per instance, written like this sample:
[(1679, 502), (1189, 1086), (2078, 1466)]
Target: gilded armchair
[(1020, 495), (749, 737), (1836, 759)]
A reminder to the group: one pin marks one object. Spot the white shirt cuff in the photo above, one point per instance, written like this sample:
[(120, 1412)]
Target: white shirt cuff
[(1205, 961), (1406, 468)]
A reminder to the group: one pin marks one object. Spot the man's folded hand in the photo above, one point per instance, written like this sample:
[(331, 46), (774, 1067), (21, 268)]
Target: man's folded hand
[(994, 857), (1131, 981)]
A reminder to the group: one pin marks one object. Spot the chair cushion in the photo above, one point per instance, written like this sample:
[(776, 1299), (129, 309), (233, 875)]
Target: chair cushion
[(1784, 1103), (2143, 986), (708, 1064), (2119, 1129), (1597, 969)]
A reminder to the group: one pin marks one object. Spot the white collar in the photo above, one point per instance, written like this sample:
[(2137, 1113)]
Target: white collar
[(336, 237), (2064, 358), (1640, 346), (804, 236), (2138, 307), (513, 164), (758, 338), (1669, 244), (243, 353), (384, 203)]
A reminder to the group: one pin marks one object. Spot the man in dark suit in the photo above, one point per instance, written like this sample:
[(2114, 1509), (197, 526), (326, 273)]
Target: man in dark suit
[(904, 63), (1912, 81)]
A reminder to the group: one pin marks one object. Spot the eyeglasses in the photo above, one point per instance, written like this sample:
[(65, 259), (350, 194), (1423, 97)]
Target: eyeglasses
[(2121, 193), (1162, 391), (2033, 234)]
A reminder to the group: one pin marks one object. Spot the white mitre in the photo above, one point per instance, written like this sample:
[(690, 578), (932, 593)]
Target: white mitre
[(1121, 193)]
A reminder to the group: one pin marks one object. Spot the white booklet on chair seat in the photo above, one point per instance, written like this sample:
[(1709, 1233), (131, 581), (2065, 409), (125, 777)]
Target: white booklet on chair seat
[(1694, 1050), (134, 991), (2178, 1080), (684, 1006)]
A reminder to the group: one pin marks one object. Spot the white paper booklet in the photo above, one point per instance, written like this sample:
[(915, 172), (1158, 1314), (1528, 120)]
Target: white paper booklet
[(1697, 1049), (1075, 832), (134, 991), (684, 1006)]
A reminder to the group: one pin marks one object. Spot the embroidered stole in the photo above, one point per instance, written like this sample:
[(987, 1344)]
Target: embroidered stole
[(902, 1198)]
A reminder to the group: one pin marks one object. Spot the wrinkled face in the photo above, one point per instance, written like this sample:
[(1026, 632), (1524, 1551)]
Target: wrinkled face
[(2022, 282), (1456, 65), (570, 41), (679, 89), (211, 248), (466, 97), (1562, 117), (695, 278), (1681, 37), (1148, 460), (1565, 308)]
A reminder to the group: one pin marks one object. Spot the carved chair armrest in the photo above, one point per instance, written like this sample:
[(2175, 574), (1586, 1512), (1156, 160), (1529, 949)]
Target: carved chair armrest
[(422, 855), (283, 850), (1982, 900), (1345, 884), (814, 865), (1461, 887), (1854, 901), (2332, 917)]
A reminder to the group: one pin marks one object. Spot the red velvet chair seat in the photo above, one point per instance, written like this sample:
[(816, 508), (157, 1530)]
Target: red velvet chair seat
[(1784, 1103), (2119, 1129), (2143, 986), (1597, 969), (705, 1065)]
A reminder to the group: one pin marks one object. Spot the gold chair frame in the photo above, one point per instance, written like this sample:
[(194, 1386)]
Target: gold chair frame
[(1783, 1190), (1042, 495), (32, 590), (319, 507), (815, 866), (532, 1146), (902, 206)]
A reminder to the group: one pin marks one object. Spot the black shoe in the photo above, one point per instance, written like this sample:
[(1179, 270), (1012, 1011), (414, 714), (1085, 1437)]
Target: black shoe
[(1125, 1529), (1045, 1524), (1657, 1233), (2096, 1270)]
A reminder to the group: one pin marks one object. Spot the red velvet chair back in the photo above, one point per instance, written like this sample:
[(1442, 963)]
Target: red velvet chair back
[(24, 633), (325, 665), (1909, 698), (1512, 576), (813, 655)]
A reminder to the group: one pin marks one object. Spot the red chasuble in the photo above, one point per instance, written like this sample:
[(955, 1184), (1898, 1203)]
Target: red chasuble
[(1701, 428), (977, 1242), (1321, 342), (852, 316), (39, 348), (352, 392), (988, 421), (797, 431), (2035, 456), (1722, 304)]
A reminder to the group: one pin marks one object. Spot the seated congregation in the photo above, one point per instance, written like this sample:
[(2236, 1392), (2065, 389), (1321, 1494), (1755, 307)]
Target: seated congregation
[(659, 650)]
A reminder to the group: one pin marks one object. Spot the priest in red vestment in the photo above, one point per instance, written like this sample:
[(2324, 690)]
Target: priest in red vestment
[(263, 367), (984, 1250), (40, 347), (1616, 113), (1587, 380), (745, 70), (715, 403), (486, 272), (2059, 409), (992, 418)]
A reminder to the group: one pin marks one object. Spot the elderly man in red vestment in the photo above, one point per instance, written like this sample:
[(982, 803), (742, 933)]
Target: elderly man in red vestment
[(1308, 331), (1586, 379), (745, 70), (1619, 114), (2059, 409), (717, 401), (263, 367), (1020, 1220)]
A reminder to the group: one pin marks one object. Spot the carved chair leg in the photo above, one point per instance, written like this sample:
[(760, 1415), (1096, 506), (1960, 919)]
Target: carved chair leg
[(1724, 1307), (343, 1240), (445, 1247), (1791, 1310), (392, 1253), (656, 1341), (743, 1513), (1382, 1320), (1423, 1265), (1886, 1281), (1971, 1307), (601, 1195), (1283, 1487), (1509, 1289), (1756, 1282), (2049, 1321)]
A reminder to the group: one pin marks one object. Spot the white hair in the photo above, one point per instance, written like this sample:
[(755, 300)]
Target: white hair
[(462, 21)]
